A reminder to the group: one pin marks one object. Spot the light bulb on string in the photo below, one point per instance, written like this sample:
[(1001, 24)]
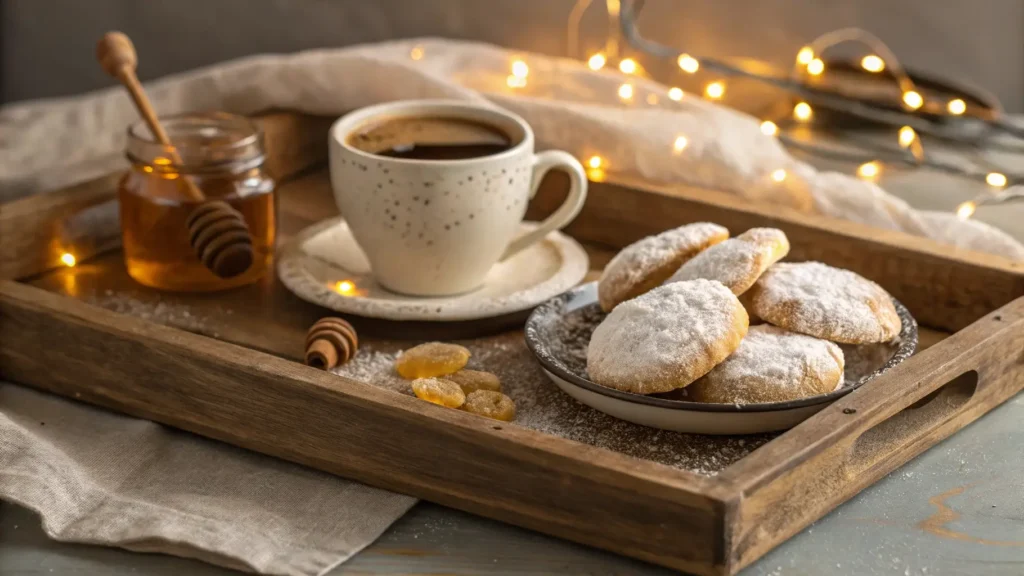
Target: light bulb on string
[(995, 179), (595, 162), (872, 63), (597, 61), (515, 81), (803, 112), (68, 259), (769, 128), (626, 91), (913, 100), (652, 99), (715, 90), (779, 175), (688, 63), (805, 55), (815, 67), (416, 53), (628, 66), (907, 136), (956, 106), (675, 93), (680, 144), (965, 210), (520, 69), (868, 170)]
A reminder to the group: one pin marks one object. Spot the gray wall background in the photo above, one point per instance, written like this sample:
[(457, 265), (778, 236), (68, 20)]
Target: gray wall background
[(46, 46)]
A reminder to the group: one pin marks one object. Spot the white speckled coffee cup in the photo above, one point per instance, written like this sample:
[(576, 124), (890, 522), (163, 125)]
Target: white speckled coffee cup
[(435, 227)]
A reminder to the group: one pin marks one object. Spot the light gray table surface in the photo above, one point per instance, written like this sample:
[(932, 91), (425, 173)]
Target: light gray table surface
[(958, 509)]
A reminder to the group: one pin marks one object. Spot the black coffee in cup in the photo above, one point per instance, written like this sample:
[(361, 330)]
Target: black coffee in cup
[(430, 138)]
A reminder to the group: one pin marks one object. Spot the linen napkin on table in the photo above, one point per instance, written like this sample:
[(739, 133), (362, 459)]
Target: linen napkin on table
[(101, 478)]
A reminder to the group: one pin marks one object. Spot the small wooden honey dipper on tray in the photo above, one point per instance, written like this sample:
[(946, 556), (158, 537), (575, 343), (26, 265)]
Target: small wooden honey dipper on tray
[(216, 231)]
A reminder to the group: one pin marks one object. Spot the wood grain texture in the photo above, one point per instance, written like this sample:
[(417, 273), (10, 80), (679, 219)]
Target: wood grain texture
[(30, 228), (806, 472), (284, 409), (36, 230), (944, 287)]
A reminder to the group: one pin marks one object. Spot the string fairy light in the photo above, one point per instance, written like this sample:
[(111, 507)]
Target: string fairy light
[(595, 162), (688, 63), (804, 56), (779, 175), (715, 90), (868, 170), (627, 66), (68, 259), (520, 70), (907, 136), (956, 106), (626, 91), (513, 81), (965, 210), (680, 144), (995, 179), (769, 128), (915, 114), (416, 53), (913, 99), (872, 63), (802, 111)]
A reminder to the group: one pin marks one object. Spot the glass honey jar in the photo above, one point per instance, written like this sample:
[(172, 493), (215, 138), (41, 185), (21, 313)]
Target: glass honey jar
[(221, 156)]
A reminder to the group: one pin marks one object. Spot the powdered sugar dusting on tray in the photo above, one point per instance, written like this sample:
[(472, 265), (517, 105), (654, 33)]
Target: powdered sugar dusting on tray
[(541, 406)]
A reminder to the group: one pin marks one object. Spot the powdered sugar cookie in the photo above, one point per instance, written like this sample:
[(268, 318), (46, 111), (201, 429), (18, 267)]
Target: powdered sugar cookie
[(647, 263), (772, 365), (666, 338), (819, 300), (738, 262)]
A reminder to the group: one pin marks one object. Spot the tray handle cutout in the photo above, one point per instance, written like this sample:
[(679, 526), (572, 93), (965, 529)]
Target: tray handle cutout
[(911, 423)]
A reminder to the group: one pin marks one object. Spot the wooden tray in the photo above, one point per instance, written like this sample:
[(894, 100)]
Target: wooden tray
[(233, 376)]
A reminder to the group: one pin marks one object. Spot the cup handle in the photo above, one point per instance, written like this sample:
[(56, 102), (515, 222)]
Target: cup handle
[(542, 163)]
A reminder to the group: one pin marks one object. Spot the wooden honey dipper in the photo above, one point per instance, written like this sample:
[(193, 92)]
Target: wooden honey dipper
[(216, 231), (330, 342)]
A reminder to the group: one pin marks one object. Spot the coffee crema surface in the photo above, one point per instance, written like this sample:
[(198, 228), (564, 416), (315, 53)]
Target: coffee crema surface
[(430, 139)]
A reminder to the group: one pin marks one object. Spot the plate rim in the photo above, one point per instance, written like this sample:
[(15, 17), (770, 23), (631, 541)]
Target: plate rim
[(908, 345), (573, 254)]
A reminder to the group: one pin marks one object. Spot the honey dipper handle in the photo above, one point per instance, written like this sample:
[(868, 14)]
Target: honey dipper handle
[(116, 54)]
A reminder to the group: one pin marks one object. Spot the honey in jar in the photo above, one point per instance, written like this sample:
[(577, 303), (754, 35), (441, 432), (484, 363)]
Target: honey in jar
[(222, 156)]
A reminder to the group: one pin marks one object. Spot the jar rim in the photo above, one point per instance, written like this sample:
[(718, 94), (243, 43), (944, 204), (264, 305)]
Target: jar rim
[(244, 142)]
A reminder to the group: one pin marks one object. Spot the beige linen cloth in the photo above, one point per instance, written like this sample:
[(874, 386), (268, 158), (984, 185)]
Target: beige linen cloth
[(101, 478)]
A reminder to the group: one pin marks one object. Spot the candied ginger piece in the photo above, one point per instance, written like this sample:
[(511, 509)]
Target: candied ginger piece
[(490, 404), (440, 392), (473, 380), (430, 360)]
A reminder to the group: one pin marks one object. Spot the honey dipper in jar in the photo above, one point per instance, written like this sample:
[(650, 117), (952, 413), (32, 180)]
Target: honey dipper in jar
[(216, 231)]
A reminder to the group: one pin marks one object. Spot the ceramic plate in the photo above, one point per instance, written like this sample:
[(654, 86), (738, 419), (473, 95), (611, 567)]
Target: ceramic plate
[(558, 332), (324, 265)]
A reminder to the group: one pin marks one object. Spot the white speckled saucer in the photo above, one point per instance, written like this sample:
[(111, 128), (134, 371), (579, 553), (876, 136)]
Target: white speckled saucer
[(324, 265)]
